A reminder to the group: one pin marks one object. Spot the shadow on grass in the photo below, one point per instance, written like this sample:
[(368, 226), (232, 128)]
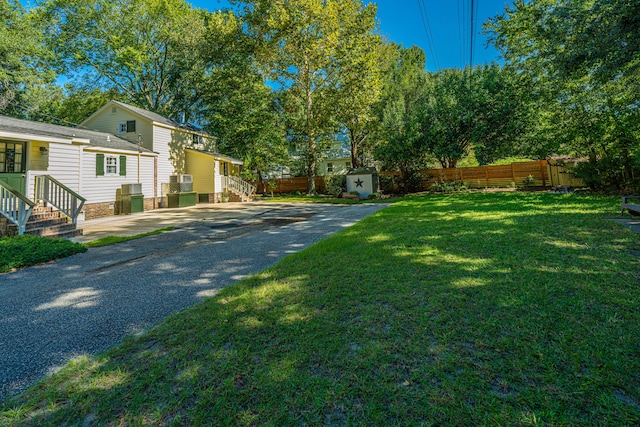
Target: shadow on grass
[(508, 309)]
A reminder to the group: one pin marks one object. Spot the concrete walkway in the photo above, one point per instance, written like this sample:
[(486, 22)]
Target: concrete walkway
[(143, 222), (89, 302)]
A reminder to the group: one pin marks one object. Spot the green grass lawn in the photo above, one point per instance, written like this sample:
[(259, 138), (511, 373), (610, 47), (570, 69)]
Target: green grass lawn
[(26, 250), (466, 309)]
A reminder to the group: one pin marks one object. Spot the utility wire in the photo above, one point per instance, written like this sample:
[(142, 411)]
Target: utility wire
[(460, 31), (472, 33), (427, 30)]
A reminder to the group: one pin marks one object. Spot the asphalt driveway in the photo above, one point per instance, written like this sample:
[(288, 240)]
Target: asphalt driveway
[(87, 303)]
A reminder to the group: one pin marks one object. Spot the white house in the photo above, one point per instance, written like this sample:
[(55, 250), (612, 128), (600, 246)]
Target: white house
[(77, 162), (182, 149)]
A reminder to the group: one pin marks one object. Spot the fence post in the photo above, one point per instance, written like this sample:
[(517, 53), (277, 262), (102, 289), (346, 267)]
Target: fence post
[(513, 174), (544, 181), (486, 174)]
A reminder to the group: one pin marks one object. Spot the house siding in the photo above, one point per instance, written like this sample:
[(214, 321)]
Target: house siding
[(64, 166), (102, 189), (161, 144), (218, 178), (107, 121), (37, 161), (201, 166)]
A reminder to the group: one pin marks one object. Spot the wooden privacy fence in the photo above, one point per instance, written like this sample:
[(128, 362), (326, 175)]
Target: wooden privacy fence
[(494, 176), (289, 185), (475, 177)]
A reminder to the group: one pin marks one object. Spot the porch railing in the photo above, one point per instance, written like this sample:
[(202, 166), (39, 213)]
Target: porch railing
[(15, 207), (238, 186), (58, 195)]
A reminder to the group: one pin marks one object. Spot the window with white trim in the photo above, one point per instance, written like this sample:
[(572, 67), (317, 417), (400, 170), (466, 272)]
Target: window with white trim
[(128, 126), (111, 165)]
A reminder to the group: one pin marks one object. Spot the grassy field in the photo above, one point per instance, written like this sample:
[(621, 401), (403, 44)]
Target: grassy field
[(468, 309)]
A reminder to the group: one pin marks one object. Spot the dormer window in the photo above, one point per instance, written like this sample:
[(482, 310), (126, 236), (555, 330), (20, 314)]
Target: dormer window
[(126, 127)]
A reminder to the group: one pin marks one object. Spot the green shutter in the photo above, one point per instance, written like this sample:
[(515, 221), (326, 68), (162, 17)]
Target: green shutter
[(123, 165), (99, 164), (131, 125)]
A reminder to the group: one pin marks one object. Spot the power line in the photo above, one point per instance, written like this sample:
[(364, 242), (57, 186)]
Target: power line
[(460, 19), (427, 30), (471, 33)]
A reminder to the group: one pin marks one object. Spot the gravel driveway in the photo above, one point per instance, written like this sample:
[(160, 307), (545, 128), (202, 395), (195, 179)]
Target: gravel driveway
[(87, 303)]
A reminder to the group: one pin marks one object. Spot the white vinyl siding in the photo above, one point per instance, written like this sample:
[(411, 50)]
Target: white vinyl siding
[(217, 178), (64, 164), (161, 144), (102, 189)]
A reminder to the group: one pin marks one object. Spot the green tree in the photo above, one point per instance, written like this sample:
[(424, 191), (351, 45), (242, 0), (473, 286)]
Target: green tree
[(582, 59), (365, 56), (241, 110), (24, 81), (146, 50), (303, 47), (402, 146)]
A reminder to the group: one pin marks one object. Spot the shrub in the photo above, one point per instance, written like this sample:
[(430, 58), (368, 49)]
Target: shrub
[(448, 187), (26, 250), (386, 184), (529, 181), (335, 184), (374, 196)]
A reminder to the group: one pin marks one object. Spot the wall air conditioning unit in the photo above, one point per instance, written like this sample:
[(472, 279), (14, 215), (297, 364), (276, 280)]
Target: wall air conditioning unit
[(181, 179), (131, 189)]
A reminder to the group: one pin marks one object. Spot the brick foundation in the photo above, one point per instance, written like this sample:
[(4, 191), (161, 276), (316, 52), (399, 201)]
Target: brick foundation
[(207, 198), (100, 210)]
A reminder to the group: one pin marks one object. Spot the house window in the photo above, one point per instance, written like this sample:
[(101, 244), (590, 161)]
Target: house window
[(128, 126), (107, 164), (12, 157), (329, 167), (111, 165)]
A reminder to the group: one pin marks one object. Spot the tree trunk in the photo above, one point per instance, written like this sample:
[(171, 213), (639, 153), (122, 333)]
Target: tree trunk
[(311, 144), (354, 149), (261, 182)]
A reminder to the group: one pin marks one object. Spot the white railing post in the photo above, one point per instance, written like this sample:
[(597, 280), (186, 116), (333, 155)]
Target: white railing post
[(15, 207), (60, 196)]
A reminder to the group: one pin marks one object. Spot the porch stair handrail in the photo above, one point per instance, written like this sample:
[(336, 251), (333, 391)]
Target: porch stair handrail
[(58, 195), (239, 186), (15, 207)]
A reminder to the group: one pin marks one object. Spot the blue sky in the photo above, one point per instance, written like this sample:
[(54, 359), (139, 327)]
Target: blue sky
[(401, 22)]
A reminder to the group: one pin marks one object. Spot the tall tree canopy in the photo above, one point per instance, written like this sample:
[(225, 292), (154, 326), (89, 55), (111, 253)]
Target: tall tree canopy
[(402, 145), (241, 110), (304, 48), (582, 60), (147, 50), (22, 53), (477, 108)]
